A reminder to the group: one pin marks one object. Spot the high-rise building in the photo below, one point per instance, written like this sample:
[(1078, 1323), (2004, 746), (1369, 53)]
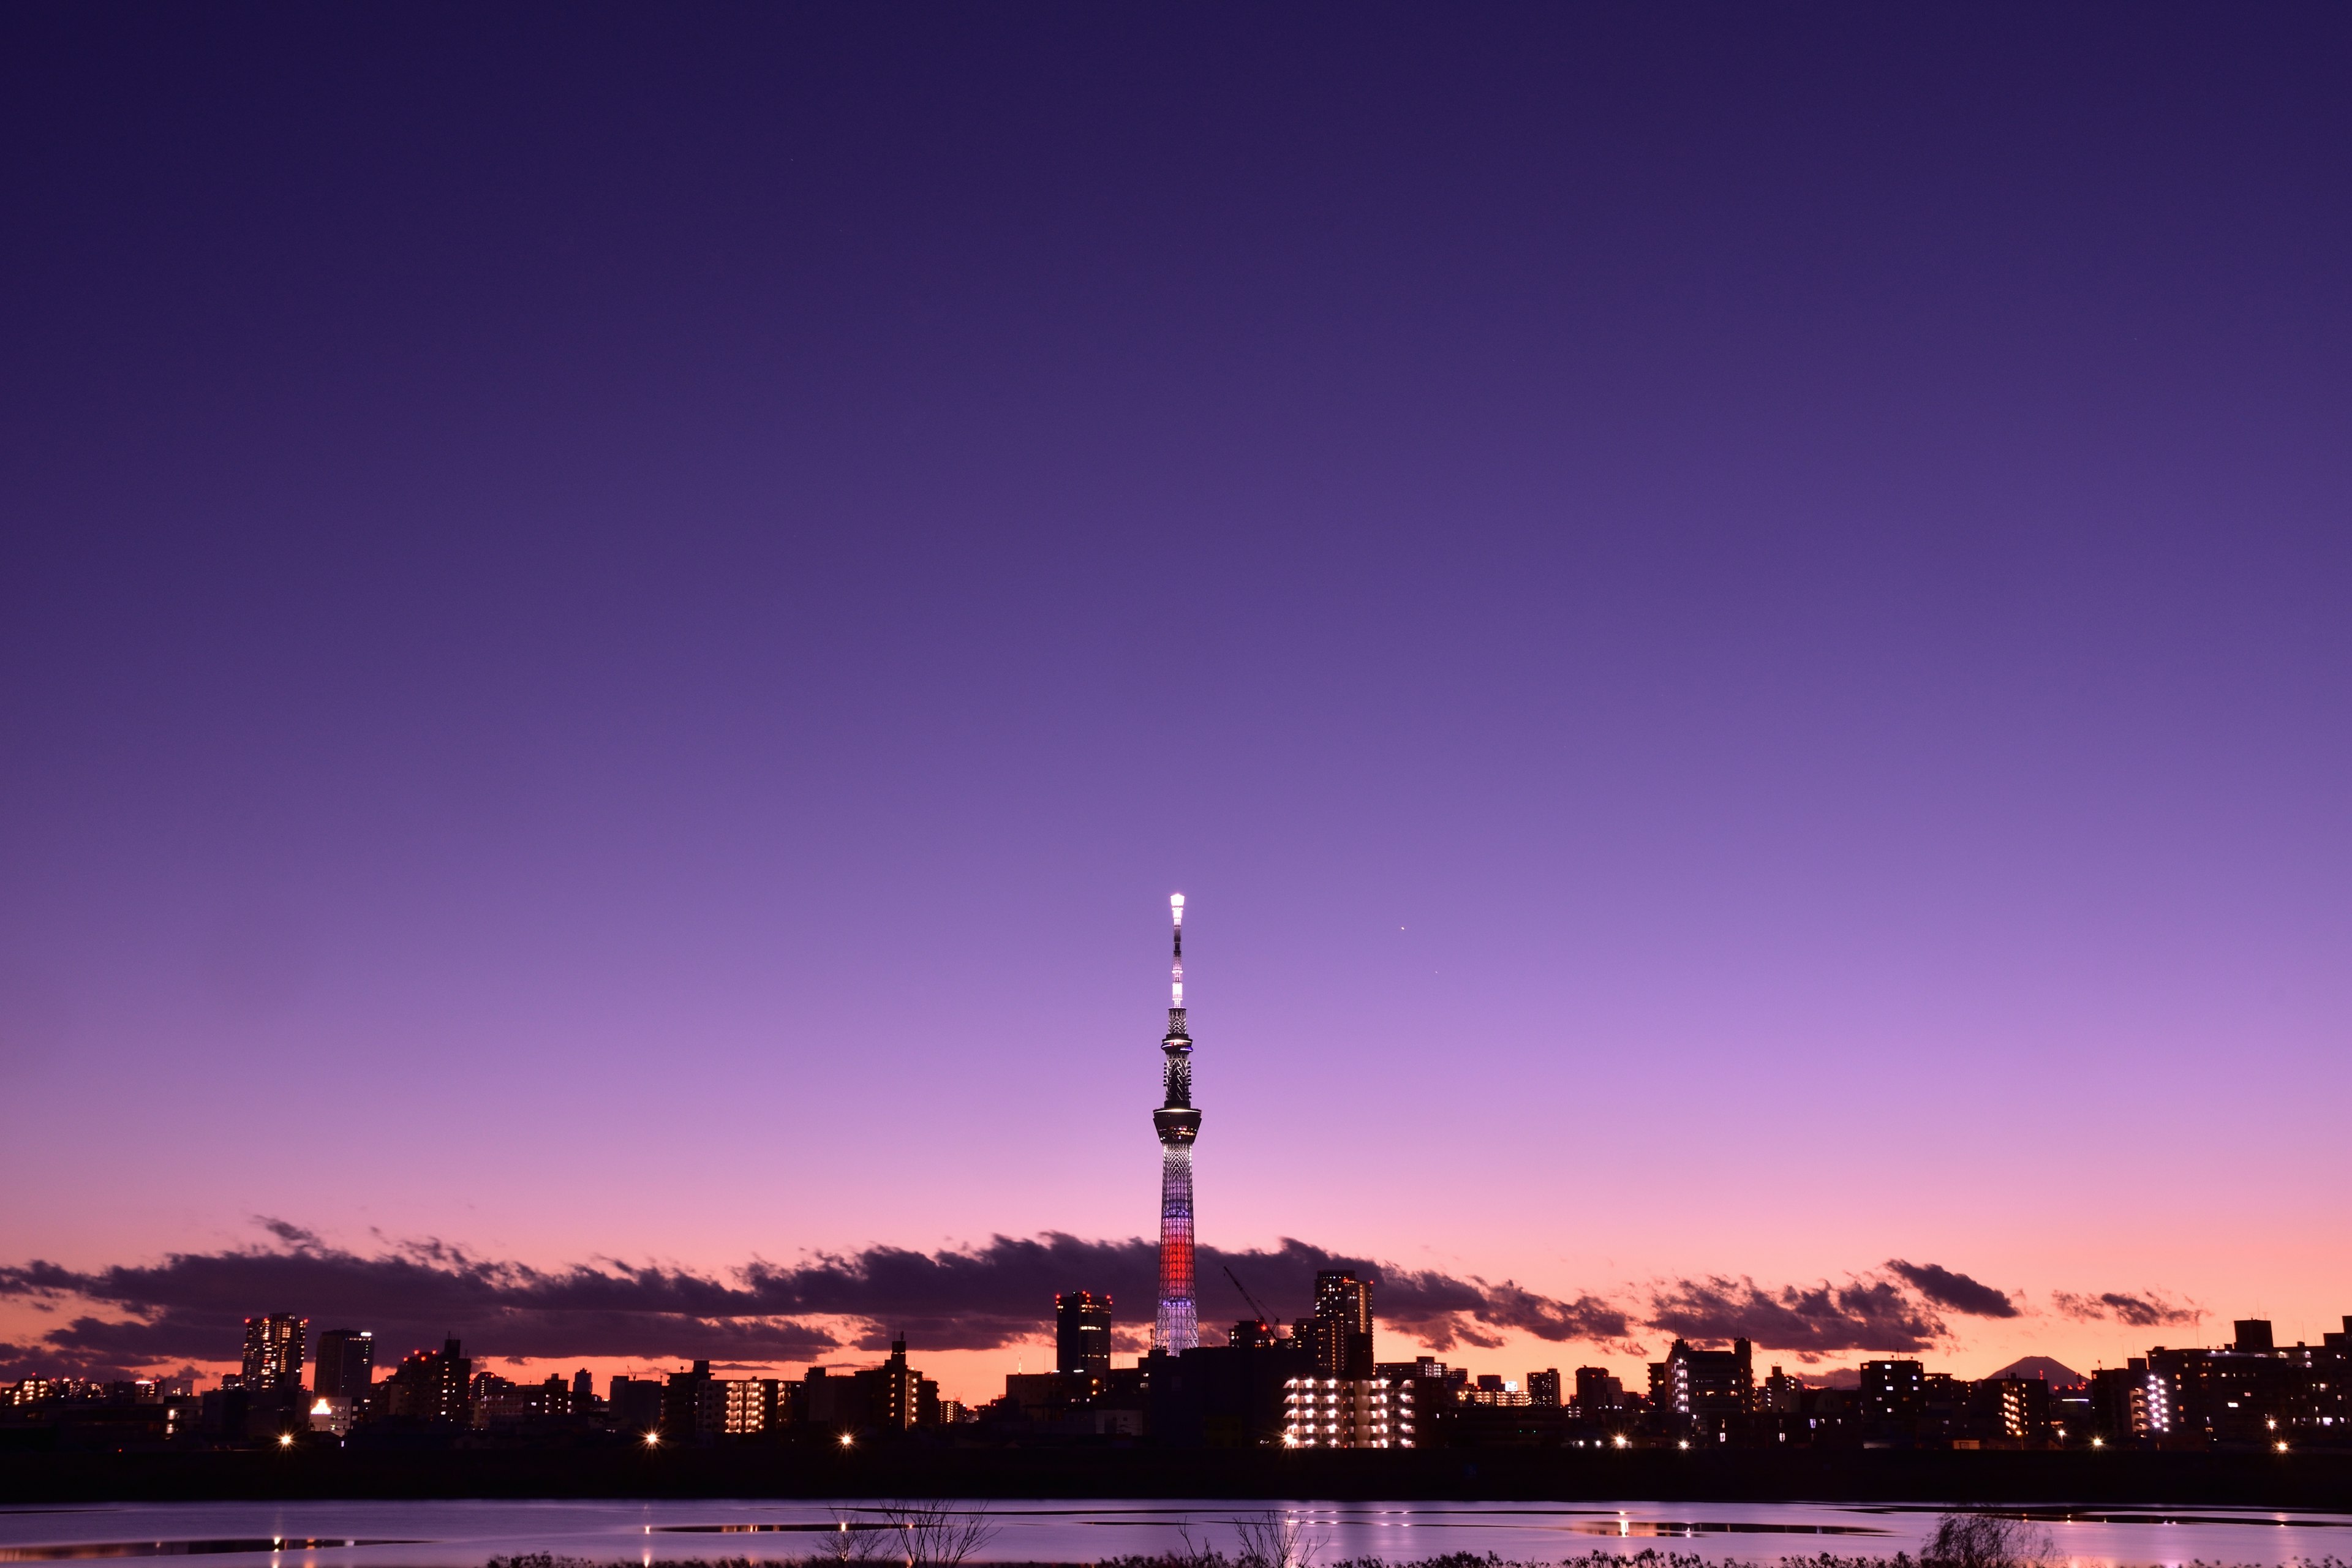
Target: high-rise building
[(345, 1364), (901, 1397), (1176, 1325), (634, 1405), (431, 1385), (1598, 1393), (754, 1404), (694, 1404), (584, 1392), (1343, 1331), (1082, 1333), (273, 1351), (1704, 1393), (1892, 1392), (1543, 1389)]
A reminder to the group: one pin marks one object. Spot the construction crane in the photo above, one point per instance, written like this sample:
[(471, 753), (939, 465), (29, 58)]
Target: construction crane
[(1264, 1321)]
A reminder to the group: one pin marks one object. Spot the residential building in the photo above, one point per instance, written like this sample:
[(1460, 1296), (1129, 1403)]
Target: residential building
[(434, 1386), (633, 1405), (1598, 1393), (1347, 1413), (903, 1398), (1342, 1325), (694, 1404), (753, 1405), (1701, 1395), (2010, 1410), (1891, 1395), (1493, 1389)]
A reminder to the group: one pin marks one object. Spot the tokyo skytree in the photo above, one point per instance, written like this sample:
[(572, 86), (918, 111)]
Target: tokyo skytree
[(1176, 1328)]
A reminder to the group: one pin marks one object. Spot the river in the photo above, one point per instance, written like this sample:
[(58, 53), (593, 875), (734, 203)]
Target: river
[(467, 1534)]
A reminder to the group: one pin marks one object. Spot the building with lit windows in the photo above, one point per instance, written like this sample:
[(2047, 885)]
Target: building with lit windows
[(1340, 1333), (1082, 1333), (2119, 1402), (1598, 1393), (2009, 1409), (430, 1386), (1892, 1391), (273, 1351), (694, 1404), (2243, 1393), (1703, 1395), (753, 1405), (1347, 1413)]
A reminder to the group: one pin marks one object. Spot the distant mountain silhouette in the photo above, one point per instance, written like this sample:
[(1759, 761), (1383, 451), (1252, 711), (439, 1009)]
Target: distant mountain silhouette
[(1836, 1377), (2055, 1373)]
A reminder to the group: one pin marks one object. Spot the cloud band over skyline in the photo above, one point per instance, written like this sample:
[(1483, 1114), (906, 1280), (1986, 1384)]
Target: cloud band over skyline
[(192, 1306)]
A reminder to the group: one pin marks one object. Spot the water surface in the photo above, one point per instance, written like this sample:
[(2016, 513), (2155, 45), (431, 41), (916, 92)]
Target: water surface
[(467, 1533)]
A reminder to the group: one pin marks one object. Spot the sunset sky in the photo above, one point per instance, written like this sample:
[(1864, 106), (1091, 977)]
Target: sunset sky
[(615, 623)]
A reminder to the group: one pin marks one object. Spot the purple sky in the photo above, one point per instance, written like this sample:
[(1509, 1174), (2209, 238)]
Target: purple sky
[(1737, 622)]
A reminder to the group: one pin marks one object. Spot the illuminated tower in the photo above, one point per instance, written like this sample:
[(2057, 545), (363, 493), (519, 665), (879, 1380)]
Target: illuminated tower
[(1176, 1328)]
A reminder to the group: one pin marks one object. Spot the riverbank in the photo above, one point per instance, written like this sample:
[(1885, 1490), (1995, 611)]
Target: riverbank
[(2309, 1480)]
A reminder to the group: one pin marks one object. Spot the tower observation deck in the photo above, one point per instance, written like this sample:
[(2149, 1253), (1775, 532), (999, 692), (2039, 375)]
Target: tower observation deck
[(1176, 1327)]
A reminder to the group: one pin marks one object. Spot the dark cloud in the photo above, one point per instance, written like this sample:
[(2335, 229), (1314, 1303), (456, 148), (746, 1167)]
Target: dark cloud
[(1438, 1309), (292, 1235), (1865, 1314), (1944, 1287), (2148, 1309), (194, 1305)]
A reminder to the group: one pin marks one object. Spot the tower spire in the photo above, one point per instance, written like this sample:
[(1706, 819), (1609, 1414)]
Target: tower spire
[(1176, 1327)]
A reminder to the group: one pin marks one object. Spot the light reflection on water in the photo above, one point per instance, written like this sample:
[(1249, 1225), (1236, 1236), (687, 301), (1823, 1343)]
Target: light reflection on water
[(467, 1534)]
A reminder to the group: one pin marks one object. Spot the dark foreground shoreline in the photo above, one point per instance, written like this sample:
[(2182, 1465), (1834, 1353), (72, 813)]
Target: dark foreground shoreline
[(2303, 1481)]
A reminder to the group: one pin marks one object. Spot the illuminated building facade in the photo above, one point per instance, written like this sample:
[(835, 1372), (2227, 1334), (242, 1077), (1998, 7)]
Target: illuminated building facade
[(1347, 1413), (1176, 1325), (273, 1351), (1341, 1331), (753, 1405)]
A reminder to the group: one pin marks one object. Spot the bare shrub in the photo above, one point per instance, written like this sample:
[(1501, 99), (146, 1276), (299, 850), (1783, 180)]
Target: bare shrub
[(1988, 1541), (1275, 1539), (935, 1535), (850, 1541)]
